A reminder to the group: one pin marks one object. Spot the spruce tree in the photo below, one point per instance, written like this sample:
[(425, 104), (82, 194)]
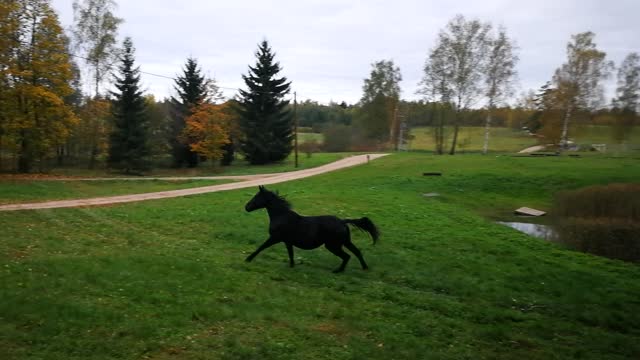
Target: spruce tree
[(128, 141), (264, 118), (193, 89)]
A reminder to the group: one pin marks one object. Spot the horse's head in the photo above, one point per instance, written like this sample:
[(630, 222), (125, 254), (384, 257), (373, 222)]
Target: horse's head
[(265, 198), (259, 200)]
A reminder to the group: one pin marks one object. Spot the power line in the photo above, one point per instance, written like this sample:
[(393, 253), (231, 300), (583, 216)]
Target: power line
[(110, 67)]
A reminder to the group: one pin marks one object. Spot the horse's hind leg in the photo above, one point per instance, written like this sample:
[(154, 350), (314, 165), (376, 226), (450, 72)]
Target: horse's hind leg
[(337, 251), (349, 245)]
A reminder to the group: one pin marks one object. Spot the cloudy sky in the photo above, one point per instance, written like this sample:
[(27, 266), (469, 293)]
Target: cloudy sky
[(326, 47)]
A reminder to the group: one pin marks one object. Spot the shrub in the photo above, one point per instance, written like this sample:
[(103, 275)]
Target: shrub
[(603, 220), (309, 147), (337, 137)]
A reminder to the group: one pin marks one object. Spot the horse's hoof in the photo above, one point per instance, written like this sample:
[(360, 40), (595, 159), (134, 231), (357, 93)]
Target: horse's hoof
[(337, 271), (248, 259)]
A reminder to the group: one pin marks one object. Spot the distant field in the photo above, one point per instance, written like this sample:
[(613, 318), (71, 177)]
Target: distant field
[(306, 137), (472, 139), (304, 162), (508, 140), (599, 134)]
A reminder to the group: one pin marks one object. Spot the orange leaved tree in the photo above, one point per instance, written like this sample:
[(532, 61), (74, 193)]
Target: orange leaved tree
[(207, 131)]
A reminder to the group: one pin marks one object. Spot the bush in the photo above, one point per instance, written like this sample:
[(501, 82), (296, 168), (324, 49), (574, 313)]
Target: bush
[(309, 147), (602, 220), (337, 137)]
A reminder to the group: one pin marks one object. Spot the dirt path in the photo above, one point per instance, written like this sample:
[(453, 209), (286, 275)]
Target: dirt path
[(253, 180)]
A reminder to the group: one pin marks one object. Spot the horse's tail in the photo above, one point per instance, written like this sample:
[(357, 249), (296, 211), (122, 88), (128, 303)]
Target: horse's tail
[(365, 224)]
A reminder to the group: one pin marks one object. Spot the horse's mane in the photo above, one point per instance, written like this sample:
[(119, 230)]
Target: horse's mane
[(278, 199)]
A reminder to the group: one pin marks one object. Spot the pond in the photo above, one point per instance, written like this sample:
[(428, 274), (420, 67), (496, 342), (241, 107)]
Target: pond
[(545, 232)]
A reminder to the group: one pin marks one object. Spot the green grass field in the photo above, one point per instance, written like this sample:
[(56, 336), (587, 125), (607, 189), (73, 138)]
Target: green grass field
[(304, 162), (306, 137), (472, 139), (598, 134), (15, 191), (238, 167), (166, 279)]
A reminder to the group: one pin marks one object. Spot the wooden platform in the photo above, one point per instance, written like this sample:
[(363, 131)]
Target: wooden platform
[(529, 212)]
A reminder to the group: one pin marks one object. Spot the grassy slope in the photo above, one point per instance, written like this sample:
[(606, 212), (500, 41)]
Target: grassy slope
[(166, 279), (15, 191)]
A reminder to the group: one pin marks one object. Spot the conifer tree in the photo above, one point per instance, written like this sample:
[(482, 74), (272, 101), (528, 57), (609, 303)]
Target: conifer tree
[(128, 142), (264, 119), (193, 89)]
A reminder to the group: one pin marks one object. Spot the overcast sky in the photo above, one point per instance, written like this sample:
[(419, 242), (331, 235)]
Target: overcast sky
[(326, 47)]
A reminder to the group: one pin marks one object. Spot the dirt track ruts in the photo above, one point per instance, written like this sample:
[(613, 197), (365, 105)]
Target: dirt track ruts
[(256, 180)]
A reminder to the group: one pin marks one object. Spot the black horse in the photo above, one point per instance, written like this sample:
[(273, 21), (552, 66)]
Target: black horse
[(307, 232)]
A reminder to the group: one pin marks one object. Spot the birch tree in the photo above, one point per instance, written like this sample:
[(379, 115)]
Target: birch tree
[(627, 101), (579, 80), (500, 74), (454, 68), (95, 32), (628, 90)]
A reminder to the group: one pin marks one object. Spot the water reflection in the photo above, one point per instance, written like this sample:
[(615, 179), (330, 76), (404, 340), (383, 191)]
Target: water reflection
[(540, 231)]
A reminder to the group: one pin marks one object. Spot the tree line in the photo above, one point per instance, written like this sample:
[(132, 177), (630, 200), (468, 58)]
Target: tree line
[(45, 115), (468, 77)]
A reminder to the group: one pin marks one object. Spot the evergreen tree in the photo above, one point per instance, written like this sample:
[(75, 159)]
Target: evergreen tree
[(193, 89), (264, 119), (128, 143)]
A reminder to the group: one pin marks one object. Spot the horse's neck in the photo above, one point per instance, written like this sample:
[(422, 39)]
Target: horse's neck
[(278, 211)]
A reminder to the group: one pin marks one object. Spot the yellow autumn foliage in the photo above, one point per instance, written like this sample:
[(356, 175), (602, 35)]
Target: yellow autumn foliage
[(207, 130)]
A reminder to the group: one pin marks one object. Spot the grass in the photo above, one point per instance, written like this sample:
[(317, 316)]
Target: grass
[(304, 162), (239, 167), (600, 134), (305, 137), (16, 191), (472, 139), (509, 140), (166, 279)]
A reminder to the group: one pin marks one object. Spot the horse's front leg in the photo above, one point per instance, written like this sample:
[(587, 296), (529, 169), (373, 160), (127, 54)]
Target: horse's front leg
[(270, 242), (290, 251)]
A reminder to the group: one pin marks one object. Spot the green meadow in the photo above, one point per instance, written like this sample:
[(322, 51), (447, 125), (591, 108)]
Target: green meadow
[(502, 139), (166, 279)]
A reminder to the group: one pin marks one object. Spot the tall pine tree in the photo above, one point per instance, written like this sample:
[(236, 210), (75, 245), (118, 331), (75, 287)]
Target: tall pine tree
[(264, 118), (128, 142), (193, 89)]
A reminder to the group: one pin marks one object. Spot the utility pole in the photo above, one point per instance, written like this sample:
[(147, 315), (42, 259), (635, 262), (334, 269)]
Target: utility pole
[(395, 128), (400, 145), (295, 126)]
